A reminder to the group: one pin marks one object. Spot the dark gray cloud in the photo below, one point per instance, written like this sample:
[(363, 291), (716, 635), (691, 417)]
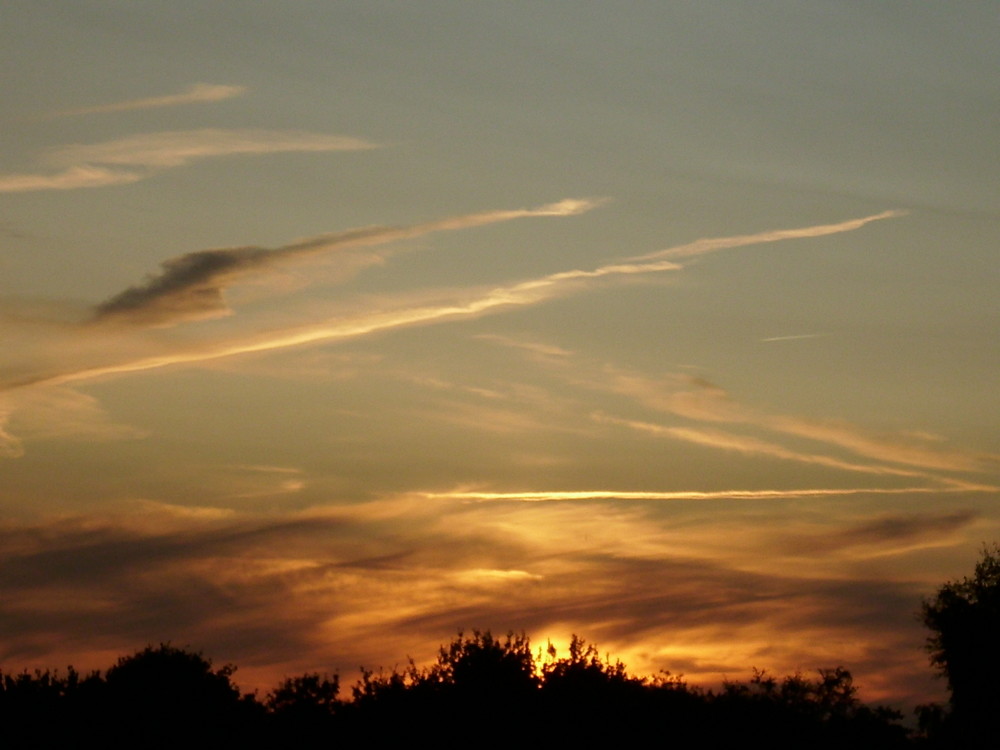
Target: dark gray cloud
[(886, 529), (190, 286)]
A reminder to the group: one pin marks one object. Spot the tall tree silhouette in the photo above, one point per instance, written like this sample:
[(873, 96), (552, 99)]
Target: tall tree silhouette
[(964, 619)]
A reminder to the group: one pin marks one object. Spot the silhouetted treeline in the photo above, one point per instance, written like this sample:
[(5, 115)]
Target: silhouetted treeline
[(481, 692), (490, 692)]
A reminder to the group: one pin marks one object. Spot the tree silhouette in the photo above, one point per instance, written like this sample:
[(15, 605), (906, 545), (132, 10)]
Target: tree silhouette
[(582, 687), (303, 710), (46, 709), (484, 667), (160, 695), (964, 619), (481, 691), (310, 694), (479, 686)]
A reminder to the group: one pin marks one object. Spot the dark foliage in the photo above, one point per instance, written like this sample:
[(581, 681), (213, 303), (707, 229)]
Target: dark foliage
[(47, 709), (160, 697), (964, 620), (302, 709), (799, 712), (482, 691)]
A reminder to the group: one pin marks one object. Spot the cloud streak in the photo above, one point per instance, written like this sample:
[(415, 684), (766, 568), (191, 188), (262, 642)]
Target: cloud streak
[(796, 337), (196, 94), (712, 244), (697, 399), (753, 446), (191, 286), (575, 495), (191, 282), (10, 446), (137, 157), (86, 176), (284, 592)]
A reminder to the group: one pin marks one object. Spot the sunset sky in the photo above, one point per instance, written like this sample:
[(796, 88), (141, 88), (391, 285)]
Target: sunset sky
[(331, 328)]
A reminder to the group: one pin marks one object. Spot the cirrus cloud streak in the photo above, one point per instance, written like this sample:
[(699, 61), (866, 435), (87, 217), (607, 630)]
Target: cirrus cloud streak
[(196, 94), (137, 157), (190, 286), (468, 303)]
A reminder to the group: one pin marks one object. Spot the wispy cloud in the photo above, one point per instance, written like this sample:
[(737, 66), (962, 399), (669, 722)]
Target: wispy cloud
[(198, 93), (712, 244), (910, 453), (736, 494), (87, 176), (196, 282), (137, 157), (60, 412), (535, 348), (698, 399), (10, 445), (191, 286), (897, 531), (794, 337), (175, 148), (374, 581), (754, 446)]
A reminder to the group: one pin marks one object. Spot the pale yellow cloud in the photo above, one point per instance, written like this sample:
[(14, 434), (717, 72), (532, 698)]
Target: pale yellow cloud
[(700, 400), (85, 176), (795, 337), (712, 244), (136, 157), (198, 93), (523, 293), (735, 494), (267, 469), (10, 445), (176, 148), (57, 412), (486, 576), (202, 276), (754, 446), (706, 402), (533, 347), (898, 450)]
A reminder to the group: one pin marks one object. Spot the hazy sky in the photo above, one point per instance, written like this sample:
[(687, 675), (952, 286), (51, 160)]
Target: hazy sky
[(332, 328)]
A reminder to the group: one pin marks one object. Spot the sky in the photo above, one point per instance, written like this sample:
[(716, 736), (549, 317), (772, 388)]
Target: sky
[(331, 329)]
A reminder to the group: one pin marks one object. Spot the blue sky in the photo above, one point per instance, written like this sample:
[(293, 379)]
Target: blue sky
[(333, 328)]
